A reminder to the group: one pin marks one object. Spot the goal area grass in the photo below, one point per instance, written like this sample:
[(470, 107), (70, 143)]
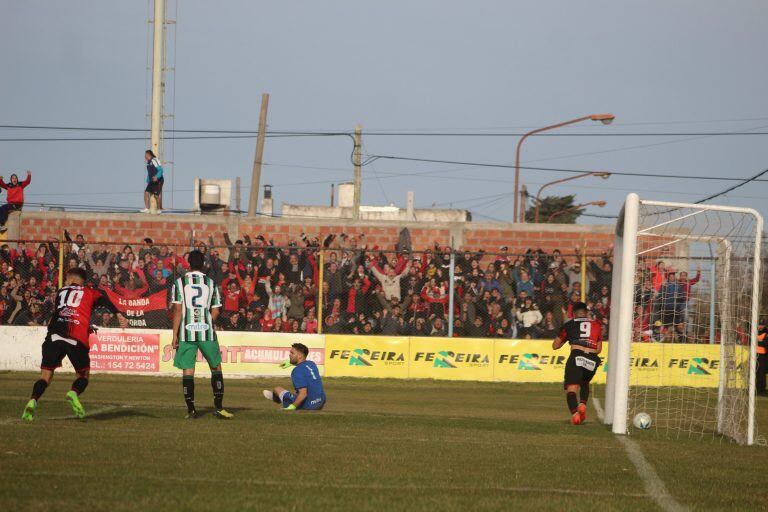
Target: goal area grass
[(378, 445)]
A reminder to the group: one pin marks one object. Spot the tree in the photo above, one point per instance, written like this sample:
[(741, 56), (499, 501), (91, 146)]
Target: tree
[(552, 205)]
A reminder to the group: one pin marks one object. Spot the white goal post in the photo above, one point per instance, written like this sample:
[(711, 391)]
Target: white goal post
[(658, 245)]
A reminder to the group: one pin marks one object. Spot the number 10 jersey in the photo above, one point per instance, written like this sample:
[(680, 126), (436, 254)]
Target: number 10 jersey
[(198, 295), (72, 317)]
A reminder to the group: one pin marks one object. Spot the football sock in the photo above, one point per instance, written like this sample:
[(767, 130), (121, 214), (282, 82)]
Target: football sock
[(573, 404), (188, 385), (79, 385), (38, 389), (584, 393), (217, 383)]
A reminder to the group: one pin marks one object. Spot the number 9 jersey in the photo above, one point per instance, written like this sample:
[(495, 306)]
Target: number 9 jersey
[(197, 294), (582, 332)]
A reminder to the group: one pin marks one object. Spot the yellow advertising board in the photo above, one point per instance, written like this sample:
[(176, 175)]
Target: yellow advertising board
[(250, 353), (671, 364), (652, 364), (531, 361), (451, 359), (367, 356)]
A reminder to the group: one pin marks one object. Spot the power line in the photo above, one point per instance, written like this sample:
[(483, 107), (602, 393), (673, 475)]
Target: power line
[(482, 205), (479, 166), (734, 187), (316, 133), (627, 148), (709, 197), (121, 139), (530, 127), (553, 169), (378, 180)]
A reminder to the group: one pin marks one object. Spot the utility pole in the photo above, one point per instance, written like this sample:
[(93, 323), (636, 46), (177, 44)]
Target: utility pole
[(253, 199), (237, 194), (523, 203), (158, 51), (358, 171)]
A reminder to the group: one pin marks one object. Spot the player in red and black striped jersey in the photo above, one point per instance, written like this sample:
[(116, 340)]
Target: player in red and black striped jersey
[(68, 334), (585, 336)]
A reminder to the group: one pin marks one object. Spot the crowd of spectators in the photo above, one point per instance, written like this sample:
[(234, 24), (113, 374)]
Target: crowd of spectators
[(663, 304), (365, 289)]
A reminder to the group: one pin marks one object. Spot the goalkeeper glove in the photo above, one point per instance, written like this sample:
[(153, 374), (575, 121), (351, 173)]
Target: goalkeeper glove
[(290, 408), (285, 365)]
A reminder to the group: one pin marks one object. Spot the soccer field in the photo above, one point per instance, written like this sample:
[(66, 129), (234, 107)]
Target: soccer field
[(378, 445)]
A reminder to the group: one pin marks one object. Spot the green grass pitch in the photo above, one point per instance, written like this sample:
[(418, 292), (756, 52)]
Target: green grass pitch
[(379, 445)]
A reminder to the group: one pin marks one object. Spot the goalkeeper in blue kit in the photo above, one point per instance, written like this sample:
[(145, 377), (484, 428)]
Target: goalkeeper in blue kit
[(305, 377)]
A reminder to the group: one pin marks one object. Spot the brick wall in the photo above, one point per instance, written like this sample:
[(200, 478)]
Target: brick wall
[(548, 239), (178, 230)]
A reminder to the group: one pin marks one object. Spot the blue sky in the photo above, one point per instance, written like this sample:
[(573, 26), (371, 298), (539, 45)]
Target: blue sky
[(488, 66)]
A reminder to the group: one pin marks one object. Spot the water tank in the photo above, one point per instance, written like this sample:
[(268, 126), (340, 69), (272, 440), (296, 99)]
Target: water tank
[(346, 195), (210, 195)]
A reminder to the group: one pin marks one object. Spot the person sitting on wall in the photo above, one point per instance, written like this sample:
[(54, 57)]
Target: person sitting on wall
[(15, 197)]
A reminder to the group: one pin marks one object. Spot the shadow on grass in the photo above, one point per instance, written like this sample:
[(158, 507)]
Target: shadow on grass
[(112, 415)]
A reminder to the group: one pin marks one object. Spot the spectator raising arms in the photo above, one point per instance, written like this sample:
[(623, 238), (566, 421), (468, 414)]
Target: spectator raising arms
[(355, 290), (154, 181), (15, 197)]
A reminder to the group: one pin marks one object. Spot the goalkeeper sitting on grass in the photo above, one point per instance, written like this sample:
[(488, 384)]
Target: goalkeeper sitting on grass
[(306, 380)]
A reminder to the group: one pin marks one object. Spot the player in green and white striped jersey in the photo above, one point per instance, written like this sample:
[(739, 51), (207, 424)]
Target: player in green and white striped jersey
[(196, 303)]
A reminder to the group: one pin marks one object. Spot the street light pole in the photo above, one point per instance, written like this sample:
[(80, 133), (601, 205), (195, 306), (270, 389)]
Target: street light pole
[(603, 118), (601, 174), (577, 207)]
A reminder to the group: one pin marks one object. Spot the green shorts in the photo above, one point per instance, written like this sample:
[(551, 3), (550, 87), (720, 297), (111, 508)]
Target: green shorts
[(186, 354)]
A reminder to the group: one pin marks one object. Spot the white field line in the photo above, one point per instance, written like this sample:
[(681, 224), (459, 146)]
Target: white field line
[(654, 485)]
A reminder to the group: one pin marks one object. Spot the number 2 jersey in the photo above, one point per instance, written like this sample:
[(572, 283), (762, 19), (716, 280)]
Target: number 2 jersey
[(582, 332), (197, 294), (72, 317)]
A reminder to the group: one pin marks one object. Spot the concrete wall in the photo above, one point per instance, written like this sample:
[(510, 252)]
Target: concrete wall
[(178, 229), (375, 213)]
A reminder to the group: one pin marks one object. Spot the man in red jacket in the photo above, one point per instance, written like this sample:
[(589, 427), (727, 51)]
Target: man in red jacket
[(15, 197)]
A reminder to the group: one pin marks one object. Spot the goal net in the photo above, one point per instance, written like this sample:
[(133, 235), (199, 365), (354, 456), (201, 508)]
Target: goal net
[(684, 318)]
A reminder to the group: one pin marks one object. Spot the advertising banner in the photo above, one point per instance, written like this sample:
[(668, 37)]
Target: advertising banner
[(125, 351), (367, 356), (251, 353), (670, 364), (652, 364), (151, 310), (532, 361), (451, 359)]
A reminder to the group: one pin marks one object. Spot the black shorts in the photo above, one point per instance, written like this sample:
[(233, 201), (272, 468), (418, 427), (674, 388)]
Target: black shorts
[(155, 187), (581, 367), (54, 352)]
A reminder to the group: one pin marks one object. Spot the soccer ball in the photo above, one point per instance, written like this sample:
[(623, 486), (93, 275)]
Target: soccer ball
[(642, 421)]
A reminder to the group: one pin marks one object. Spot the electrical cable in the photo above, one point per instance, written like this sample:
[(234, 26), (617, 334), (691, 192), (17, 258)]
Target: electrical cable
[(554, 169), (312, 133)]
